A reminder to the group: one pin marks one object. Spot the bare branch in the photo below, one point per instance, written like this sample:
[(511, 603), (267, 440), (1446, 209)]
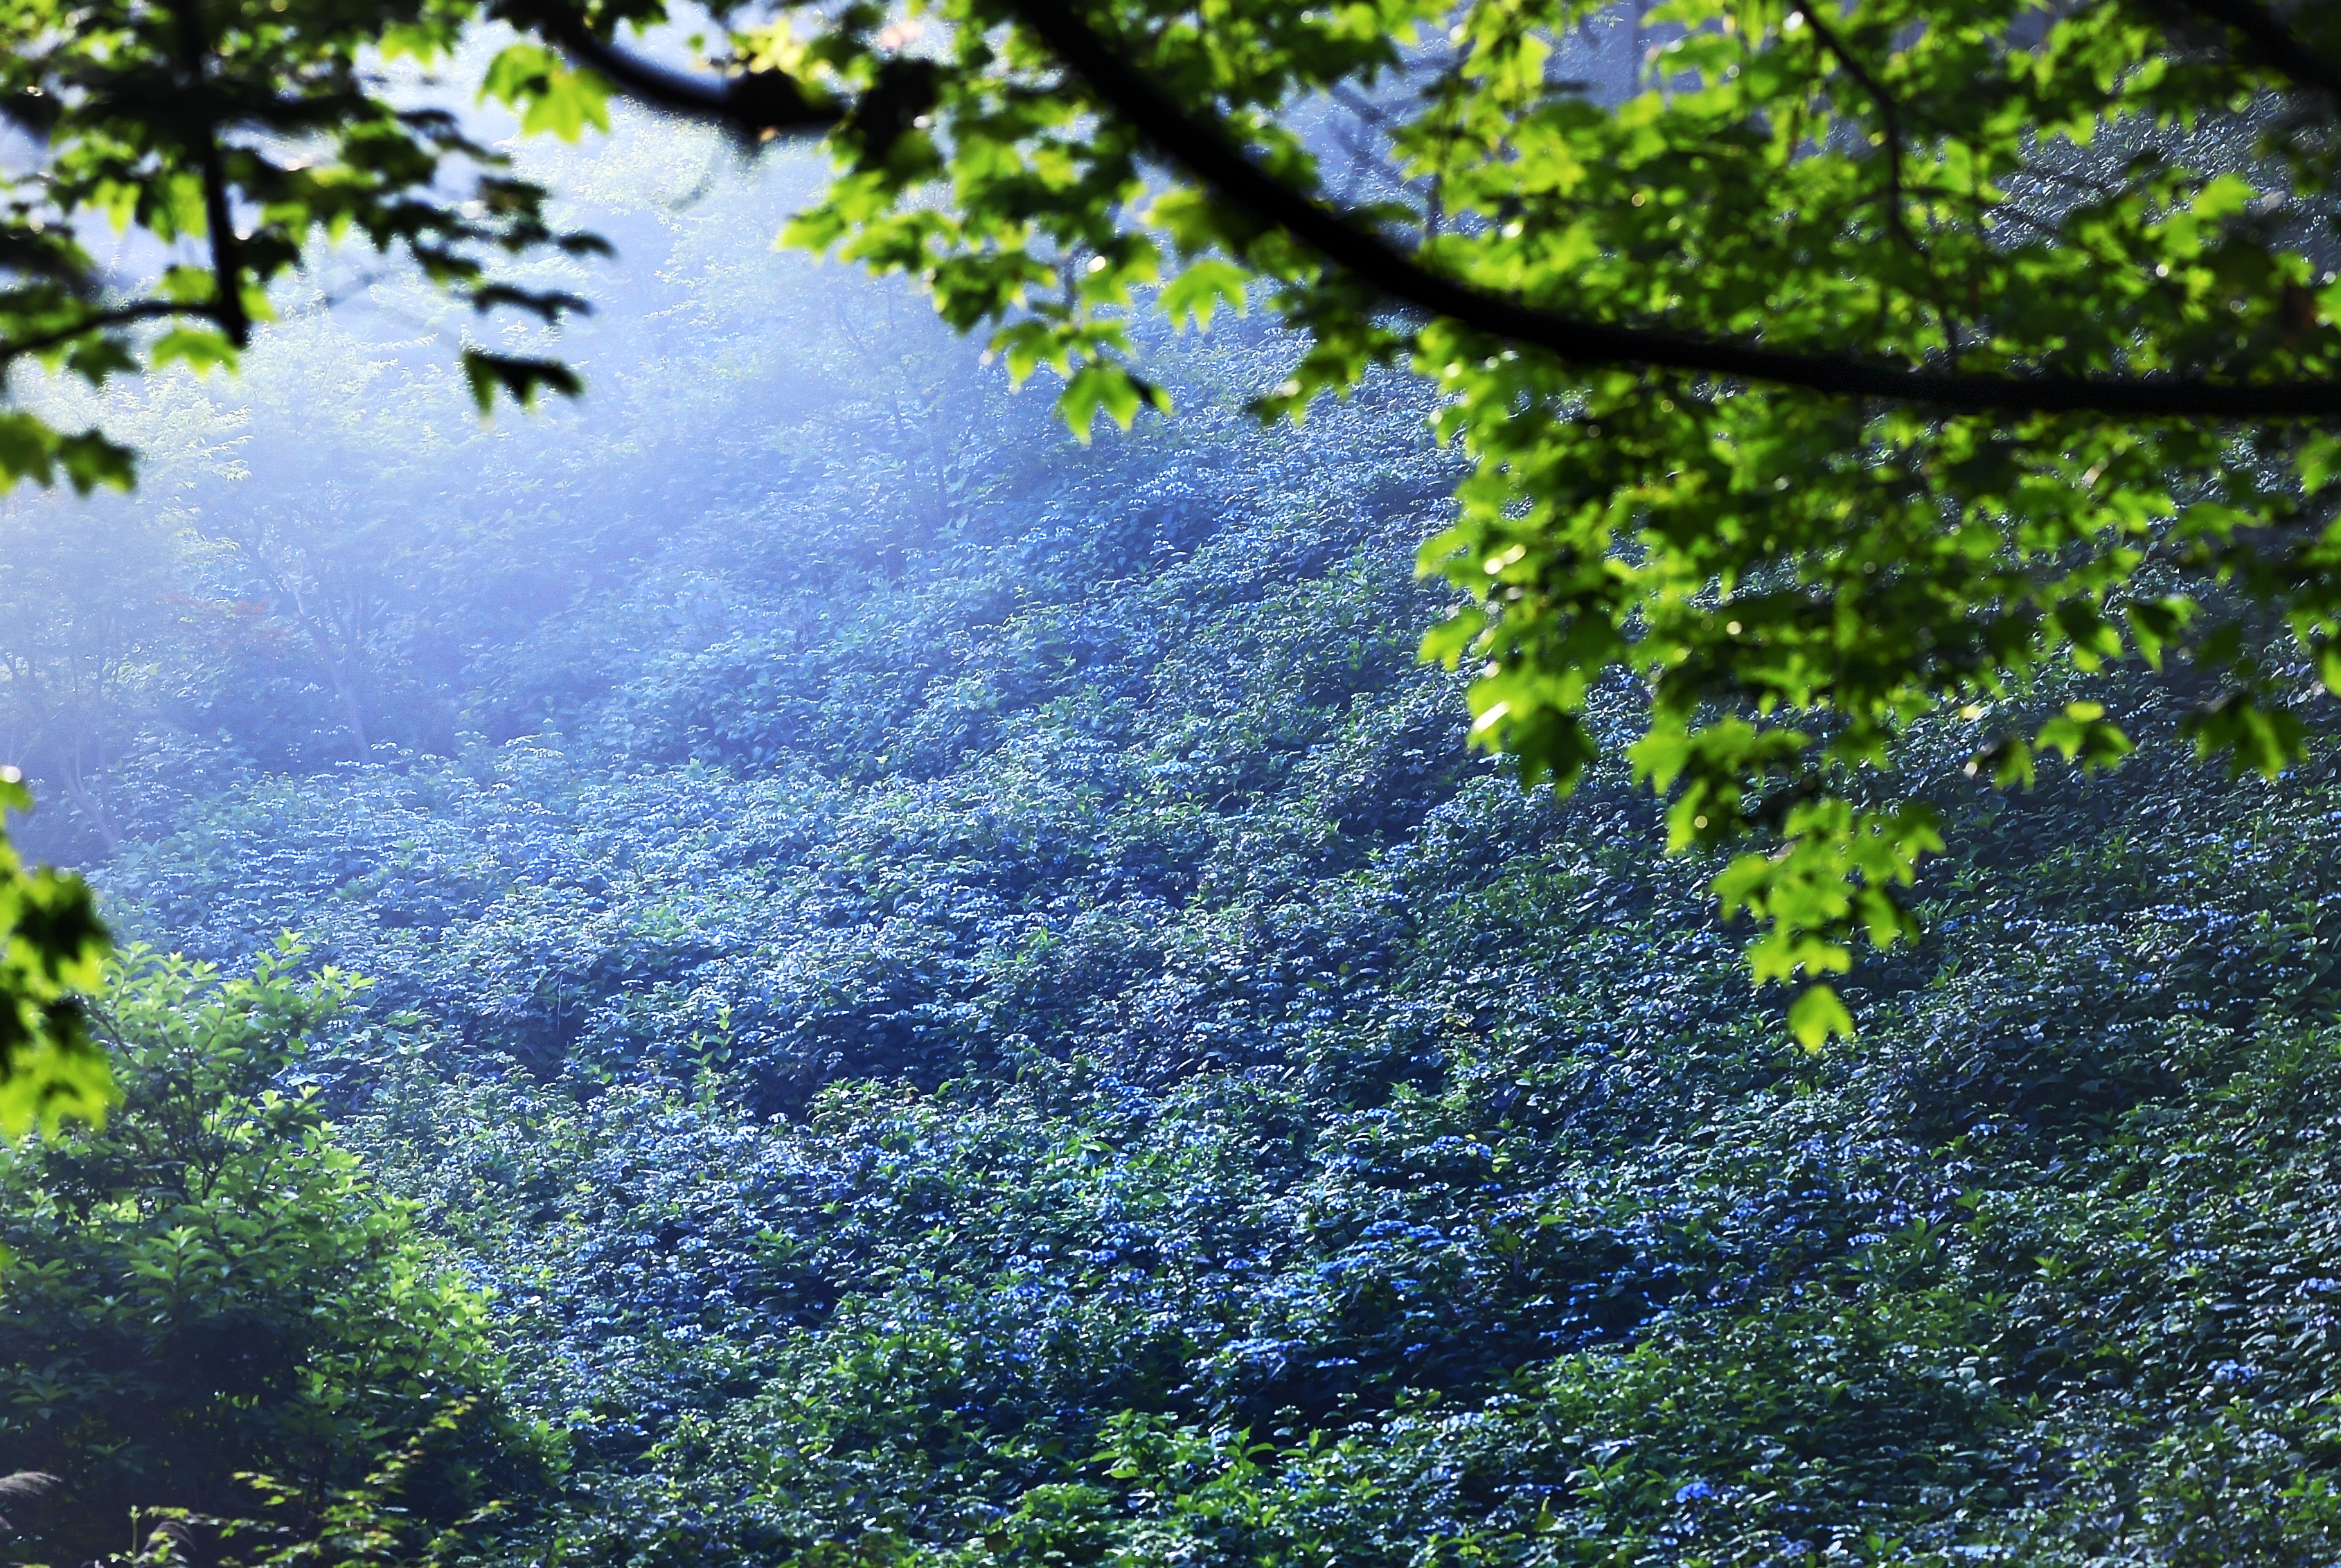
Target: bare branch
[(219, 216), (14, 349)]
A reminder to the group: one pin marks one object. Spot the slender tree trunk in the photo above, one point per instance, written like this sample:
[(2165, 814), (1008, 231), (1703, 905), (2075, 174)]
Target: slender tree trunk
[(93, 809), (53, 732), (321, 638)]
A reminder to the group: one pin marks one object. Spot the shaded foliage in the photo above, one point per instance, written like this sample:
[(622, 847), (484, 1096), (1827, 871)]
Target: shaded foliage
[(210, 1284)]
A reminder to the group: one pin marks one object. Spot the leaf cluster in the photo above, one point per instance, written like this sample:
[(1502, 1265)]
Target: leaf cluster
[(208, 1285)]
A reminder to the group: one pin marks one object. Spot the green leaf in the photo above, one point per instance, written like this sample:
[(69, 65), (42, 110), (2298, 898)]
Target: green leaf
[(52, 950), (2253, 733), (2081, 734), (517, 376), (200, 349), (1817, 1015), (32, 449), (550, 93), (1101, 386), (1199, 290)]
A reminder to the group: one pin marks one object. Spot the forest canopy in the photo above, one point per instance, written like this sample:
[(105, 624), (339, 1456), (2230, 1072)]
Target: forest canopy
[(1841, 367), (1853, 368)]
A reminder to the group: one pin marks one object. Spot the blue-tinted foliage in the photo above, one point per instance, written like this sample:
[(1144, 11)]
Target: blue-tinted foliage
[(967, 998)]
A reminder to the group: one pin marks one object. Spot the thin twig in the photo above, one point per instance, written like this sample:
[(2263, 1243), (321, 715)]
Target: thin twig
[(769, 102), (1888, 115), (755, 105), (14, 349)]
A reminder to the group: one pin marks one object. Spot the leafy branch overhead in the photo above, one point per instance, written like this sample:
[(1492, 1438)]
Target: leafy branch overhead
[(52, 947), (233, 137), (1842, 365)]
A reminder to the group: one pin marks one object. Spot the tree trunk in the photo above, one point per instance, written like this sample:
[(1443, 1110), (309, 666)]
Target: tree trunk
[(321, 638), (93, 809)]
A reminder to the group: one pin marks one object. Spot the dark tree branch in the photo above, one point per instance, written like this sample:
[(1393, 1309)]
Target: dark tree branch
[(16, 348), (219, 215), (227, 271), (1205, 151), (755, 105), (1889, 115), (2272, 43)]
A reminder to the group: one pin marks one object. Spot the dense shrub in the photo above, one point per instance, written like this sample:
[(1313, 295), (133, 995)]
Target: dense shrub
[(210, 1284)]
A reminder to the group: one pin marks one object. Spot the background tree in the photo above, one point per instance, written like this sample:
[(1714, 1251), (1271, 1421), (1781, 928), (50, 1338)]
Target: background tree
[(89, 616)]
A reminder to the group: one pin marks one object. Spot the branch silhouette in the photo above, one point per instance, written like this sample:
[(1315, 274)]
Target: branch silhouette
[(1206, 153), (755, 105), (762, 103)]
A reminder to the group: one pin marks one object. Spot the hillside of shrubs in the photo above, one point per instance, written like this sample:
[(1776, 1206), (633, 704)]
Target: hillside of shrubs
[(792, 967)]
